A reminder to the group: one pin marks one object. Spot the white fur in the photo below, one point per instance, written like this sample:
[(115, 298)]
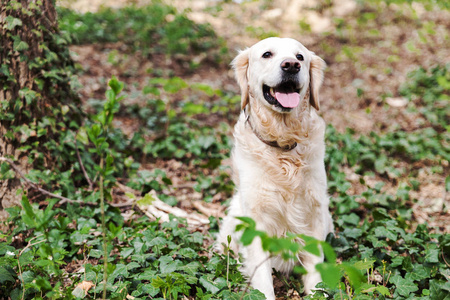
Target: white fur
[(283, 191)]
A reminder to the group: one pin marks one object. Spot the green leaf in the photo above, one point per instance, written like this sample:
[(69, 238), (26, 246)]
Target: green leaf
[(7, 274), (20, 45), (330, 273), (209, 285), (248, 221), (167, 265), (159, 283), (248, 235), (116, 85), (12, 22), (364, 265), (28, 215), (432, 256), (120, 270), (382, 232), (174, 85), (195, 109), (82, 136), (419, 272), (353, 274), (191, 268), (383, 290), (146, 200), (404, 286), (127, 251), (254, 295), (158, 241), (312, 248), (437, 290)]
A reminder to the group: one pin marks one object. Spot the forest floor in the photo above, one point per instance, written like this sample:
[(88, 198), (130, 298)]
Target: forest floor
[(368, 60)]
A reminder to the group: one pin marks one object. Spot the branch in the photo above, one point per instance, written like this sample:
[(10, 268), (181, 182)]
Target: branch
[(36, 187), (253, 275)]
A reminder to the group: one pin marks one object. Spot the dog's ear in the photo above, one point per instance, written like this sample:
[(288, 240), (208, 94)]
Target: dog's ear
[(240, 66), (316, 78)]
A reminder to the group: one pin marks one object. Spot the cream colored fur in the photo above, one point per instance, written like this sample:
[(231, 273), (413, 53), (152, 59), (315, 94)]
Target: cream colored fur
[(283, 191)]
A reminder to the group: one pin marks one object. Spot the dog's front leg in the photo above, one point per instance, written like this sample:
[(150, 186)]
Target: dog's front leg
[(258, 268), (312, 278)]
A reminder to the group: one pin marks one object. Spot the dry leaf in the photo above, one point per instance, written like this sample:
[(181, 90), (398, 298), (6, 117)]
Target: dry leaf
[(82, 289), (397, 102)]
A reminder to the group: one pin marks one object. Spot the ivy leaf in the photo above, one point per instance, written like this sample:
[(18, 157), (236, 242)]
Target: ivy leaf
[(82, 136), (364, 265), (419, 272), (432, 256), (254, 295), (191, 268), (404, 286), (437, 291), (382, 232), (209, 285), (383, 290), (127, 251), (120, 270), (146, 200), (6, 274), (168, 265), (12, 22)]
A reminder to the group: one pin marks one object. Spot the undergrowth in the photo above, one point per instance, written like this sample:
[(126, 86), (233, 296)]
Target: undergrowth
[(156, 28), (385, 253), (52, 249)]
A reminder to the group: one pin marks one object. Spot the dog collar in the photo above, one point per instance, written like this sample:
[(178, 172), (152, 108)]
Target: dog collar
[(270, 143)]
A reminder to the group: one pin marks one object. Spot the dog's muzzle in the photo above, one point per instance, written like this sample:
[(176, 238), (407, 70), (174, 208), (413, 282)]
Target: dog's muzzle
[(285, 95)]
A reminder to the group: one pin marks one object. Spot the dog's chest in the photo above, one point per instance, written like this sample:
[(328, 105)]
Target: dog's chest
[(275, 189)]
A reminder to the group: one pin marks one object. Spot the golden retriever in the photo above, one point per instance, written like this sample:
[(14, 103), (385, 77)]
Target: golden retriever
[(278, 156)]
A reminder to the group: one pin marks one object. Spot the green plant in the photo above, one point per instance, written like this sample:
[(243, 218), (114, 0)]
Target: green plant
[(155, 28), (429, 94), (289, 247)]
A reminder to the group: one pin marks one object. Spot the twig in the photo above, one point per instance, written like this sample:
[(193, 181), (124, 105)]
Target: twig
[(18, 259), (200, 206), (443, 257), (253, 274), (36, 187), (125, 204), (105, 243), (91, 186), (160, 210)]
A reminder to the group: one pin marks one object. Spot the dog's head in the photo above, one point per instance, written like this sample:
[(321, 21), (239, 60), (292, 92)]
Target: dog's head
[(279, 71)]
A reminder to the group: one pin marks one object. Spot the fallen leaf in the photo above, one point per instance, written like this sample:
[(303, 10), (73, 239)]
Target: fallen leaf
[(82, 289), (397, 102)]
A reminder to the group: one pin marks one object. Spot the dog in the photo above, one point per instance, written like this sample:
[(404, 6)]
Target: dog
[(278, 157)]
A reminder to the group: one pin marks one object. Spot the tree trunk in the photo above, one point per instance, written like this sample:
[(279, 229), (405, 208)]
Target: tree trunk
[(36, 99)]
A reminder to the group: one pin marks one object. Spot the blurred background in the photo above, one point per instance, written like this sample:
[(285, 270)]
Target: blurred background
[(132, 104), (387, 69)]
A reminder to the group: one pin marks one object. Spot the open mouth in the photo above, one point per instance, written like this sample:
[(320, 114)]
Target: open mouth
[(285, 95)]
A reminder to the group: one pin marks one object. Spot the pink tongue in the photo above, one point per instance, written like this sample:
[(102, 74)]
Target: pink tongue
[(290, 100)]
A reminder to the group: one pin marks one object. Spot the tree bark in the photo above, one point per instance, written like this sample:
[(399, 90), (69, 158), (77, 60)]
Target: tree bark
[(36, 99)]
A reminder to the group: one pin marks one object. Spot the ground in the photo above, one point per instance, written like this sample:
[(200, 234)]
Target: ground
[(361, 83), (370, 48)]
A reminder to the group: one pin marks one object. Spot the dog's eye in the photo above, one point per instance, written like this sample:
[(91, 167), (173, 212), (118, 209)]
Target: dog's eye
[(267, 54), (300, 57)]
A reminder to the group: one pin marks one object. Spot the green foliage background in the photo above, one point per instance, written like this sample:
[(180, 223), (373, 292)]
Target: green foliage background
[(382, 252)]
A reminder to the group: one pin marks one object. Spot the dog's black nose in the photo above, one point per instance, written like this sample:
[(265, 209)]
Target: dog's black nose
[(290, 66)]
